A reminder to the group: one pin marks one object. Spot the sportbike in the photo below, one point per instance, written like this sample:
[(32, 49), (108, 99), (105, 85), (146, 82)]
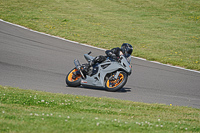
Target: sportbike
[(111, 73)]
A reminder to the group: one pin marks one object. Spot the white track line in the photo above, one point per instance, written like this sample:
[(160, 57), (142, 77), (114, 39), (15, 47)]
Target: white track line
[(95, 47)]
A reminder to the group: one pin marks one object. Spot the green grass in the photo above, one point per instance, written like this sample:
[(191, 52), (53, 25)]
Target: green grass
[(35, 111), (162, 30)]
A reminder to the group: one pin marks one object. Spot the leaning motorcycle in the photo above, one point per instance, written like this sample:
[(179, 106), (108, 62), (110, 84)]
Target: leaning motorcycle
[(111, 74)]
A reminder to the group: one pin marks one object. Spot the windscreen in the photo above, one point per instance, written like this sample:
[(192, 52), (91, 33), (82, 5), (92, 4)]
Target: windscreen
[(129, 59)]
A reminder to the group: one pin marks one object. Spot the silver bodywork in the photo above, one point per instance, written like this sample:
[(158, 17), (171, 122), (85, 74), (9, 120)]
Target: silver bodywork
[(109, 66)]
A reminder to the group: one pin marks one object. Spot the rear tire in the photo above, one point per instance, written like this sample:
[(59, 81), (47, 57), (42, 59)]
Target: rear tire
[(73, 82), (118, 83)]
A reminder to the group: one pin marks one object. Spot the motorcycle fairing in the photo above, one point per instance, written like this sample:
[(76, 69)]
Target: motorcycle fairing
[(105, 68)]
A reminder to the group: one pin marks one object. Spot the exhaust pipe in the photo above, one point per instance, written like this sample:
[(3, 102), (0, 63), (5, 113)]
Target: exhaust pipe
[(78, 67)]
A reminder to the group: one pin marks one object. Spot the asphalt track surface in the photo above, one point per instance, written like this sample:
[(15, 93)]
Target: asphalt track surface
[(31, 60)]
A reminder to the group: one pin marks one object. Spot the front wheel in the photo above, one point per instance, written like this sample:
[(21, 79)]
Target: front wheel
[(116, 84), (73, 79)]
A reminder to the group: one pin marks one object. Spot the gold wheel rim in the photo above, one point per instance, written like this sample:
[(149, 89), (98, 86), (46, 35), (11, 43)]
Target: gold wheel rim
[(71, 74), (116, 82)]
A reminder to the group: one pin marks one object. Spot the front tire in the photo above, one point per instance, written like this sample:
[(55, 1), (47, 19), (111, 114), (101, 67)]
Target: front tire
[(114, 85), (73, 82)]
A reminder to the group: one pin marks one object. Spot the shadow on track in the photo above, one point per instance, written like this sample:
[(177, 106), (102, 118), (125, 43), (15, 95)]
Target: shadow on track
[(122, 90)]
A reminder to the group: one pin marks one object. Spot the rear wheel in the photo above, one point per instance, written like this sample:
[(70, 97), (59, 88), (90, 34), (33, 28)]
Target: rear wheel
[(72, 79), (116, 84)]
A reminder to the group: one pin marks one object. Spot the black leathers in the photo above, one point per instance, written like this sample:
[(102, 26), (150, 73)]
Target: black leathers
[(113, 52)]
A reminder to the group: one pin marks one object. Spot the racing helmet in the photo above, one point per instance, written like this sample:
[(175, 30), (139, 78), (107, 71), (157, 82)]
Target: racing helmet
[(126, 49)]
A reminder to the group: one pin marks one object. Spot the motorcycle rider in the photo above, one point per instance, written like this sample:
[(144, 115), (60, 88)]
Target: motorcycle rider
[(126, 50)]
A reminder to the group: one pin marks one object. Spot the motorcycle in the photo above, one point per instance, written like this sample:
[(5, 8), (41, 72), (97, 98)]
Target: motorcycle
[(111, 74)]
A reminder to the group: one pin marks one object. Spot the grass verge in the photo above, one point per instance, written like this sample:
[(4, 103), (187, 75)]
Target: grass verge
[(160, 30), (36, 111)]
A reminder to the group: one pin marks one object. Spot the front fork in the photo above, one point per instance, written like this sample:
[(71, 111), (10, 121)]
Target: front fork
[(117, 74), (114, 76)]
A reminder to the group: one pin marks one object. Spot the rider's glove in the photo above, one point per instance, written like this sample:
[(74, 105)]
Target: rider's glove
[(109, 54)]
